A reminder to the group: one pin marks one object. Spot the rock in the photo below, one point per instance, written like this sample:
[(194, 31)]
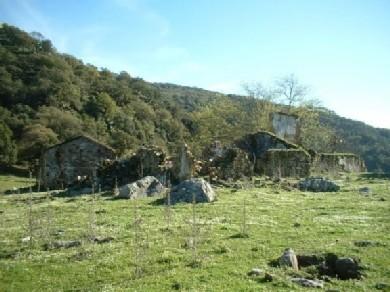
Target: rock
[(146, 187), (268, 277), (347, 268), (255, 272), (183, 165), (289, 259), (318, 184), (365, 191), (308, 283), (309, 260), (198, 187), (62, 244), (26, 239)]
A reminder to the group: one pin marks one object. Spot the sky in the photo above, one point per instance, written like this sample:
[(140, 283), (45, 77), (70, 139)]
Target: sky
[(339, 48)]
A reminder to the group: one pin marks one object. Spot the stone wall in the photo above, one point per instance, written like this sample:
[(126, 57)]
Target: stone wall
[(256, 146), (287, 163), (285, 126), (66, 163), (338, 162), (147, 161)]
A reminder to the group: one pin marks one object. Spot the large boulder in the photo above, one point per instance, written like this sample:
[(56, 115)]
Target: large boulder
[(347, 268), (318, 184), (197, 187), (146, 187), (288, 259)]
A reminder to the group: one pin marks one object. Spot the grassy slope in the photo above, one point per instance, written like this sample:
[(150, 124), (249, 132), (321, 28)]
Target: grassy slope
[(8, 182), (328, 223)]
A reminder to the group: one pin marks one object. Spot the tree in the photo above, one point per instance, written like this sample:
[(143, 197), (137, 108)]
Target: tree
[(35, 139), (102, 106), (7, 145), (63, 123), (261, 103), (290, 90)]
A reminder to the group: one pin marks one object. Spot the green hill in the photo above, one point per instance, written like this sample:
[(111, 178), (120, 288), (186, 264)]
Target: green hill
[(47, 97)]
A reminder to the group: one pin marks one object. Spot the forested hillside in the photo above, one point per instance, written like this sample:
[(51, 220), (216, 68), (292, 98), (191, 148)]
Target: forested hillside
[(47, 97)]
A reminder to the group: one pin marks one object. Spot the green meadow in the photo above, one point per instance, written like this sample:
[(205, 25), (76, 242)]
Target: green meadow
[(185, 247)]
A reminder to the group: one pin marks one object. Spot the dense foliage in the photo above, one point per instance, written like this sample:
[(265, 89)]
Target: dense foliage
[(47, 97)]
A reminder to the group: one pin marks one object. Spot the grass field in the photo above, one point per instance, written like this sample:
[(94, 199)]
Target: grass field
[(149, 256)]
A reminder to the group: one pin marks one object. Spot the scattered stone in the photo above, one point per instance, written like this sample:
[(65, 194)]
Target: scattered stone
[(58, 232), (255, 272), (382, 286), (318, 184), (289, 259), (347, 268), (308, 283), (146, 187), (268, 277), (365, 191), (366, 243), (198, 187), (26, 239), (100, 240), (61, 244)]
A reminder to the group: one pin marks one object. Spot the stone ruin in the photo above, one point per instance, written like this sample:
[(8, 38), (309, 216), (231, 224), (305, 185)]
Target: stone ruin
[(72, 162), (286, 126), (263, 153), (147, 161), (260, 153), (287, 163), (337, 162)]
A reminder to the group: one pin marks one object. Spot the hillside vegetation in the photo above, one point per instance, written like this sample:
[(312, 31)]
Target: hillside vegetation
[(47, 97)]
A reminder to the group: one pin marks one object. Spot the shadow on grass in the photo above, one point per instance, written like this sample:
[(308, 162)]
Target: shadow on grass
[(373, 175), (239, 235)]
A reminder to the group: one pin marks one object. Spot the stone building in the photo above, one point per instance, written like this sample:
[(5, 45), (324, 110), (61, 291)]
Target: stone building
[(73, 160)]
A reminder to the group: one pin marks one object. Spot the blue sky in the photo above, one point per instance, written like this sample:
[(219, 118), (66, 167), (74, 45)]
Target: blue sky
[(340, 48)]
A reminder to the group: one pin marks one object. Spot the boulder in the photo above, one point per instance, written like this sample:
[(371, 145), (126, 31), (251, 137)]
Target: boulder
[(197, 187), (318, 184), (347, 268), (148, 186), (288, 259)]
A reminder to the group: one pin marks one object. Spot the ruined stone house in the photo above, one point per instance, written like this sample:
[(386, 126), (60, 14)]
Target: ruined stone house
[(286, 126), (73, 160)]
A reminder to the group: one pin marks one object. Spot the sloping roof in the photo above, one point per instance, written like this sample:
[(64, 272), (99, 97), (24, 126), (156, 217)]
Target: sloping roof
[(82, 137)]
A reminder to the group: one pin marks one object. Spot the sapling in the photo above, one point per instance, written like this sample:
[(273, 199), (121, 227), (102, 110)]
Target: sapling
[(30, 216)]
